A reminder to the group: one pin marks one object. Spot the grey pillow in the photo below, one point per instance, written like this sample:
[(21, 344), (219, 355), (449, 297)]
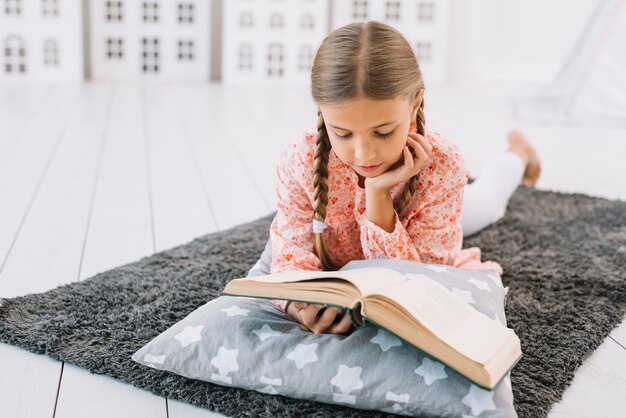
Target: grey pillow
[(249, 343)]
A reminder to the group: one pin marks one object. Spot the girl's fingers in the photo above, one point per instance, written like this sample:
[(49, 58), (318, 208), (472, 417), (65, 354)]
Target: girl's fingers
[(309, 314), (423, 142), (326, 320), (300, 305), (342, 326)]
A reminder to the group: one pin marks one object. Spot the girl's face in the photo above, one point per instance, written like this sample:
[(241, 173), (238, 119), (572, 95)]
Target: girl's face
[(369, 132)]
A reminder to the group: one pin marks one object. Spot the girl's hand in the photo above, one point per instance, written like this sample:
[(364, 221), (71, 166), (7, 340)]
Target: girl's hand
[(319, 318), (404, 168)]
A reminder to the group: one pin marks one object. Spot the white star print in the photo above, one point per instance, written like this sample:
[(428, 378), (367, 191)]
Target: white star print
[(386, 340), (266, 332), (269, 389), (390, 396), (278, 381), (236, 311), (438, 268), (431, 371), (479, 284), (189, 335), (348, 378), (410, 276), (495, 278), (394, 409), (479, 400), (464, 295), (303, 354), (149, 358), (225, 361)]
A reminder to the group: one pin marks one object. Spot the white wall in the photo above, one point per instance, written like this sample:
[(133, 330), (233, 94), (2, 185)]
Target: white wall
[(513, 39)]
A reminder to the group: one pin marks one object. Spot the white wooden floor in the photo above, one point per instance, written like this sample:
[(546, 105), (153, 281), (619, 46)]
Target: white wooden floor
[(96, 175)]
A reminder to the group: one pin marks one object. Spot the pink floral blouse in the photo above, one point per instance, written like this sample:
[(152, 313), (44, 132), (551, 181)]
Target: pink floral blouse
[(427, 230)]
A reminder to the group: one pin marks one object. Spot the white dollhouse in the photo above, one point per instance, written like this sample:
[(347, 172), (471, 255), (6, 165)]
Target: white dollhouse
[(423, 22), (166, 40), (42, 40), (271, 41)]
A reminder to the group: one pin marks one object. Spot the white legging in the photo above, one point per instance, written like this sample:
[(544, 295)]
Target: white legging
[(487, 197)]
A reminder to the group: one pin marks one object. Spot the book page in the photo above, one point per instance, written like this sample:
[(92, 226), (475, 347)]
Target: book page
[(430, 303), (367, 280)]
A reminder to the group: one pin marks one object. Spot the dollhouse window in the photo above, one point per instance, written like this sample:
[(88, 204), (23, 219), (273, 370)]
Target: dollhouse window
[(114, 11), (275, 60), (50, 7), (14, 55), (307, 21), (150, 11), (245, 57), (12, 7), (185, 50), (115, 48), (276, 21), (424, 51), (393, 10), (425, 11), (359, 9), (246, 20), (50, 53), (185, 12), (150, 55), (305, 58)]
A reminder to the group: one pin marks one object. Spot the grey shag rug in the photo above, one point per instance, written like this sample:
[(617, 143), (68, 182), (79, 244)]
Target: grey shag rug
[(564, 259)]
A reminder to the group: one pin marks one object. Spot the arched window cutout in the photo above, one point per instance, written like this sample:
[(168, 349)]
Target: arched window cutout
[(246, 20), (150, 11), (245, 57), (392, 10), (13, 7), (185, 12), (425, 12), (15, 55), (359, 9), (275, 60), (277, 21), (185, 50), (150, 55), (50, 53), (307, 21), (50, 8), (305, 58), (114, 11), (114, 48)]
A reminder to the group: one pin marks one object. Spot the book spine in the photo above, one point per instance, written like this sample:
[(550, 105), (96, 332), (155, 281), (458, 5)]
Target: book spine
[(356, 316)]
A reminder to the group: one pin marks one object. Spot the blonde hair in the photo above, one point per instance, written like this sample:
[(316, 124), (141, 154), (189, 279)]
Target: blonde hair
[(360, 60)]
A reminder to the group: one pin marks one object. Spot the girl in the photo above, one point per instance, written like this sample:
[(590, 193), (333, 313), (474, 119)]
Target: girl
[(373, 182)]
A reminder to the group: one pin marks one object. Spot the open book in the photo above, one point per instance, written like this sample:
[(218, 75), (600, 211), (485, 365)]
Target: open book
[(418, 310)]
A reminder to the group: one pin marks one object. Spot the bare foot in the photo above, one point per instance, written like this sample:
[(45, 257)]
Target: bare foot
[(520, 145)]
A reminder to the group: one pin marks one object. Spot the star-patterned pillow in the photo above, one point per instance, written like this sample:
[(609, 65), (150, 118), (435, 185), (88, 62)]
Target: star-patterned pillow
[(248, 343)]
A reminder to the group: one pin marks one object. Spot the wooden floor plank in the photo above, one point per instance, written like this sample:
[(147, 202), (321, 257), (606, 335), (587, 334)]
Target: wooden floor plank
[(177, 409), (62, 206), (599, 389), (119, 231), (28, 383), (24, 167), (182, 210), (19, 111), (231, 187), (84, 394)]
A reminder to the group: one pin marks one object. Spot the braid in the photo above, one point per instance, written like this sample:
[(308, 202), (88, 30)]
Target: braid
[(409, 191), (320, 194)]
